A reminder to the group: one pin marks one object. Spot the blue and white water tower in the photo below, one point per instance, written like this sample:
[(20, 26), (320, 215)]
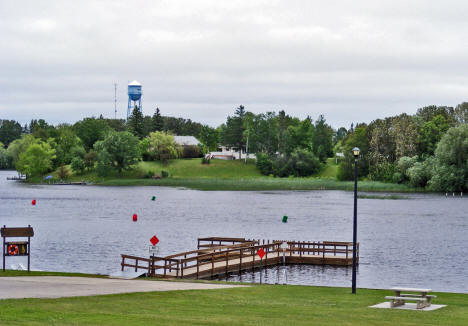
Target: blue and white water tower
[(134, 97)]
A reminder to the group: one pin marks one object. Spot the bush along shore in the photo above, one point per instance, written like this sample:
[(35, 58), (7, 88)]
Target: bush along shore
[(224, 175)]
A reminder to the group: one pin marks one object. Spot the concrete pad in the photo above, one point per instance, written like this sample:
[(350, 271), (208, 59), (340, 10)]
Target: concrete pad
[(408, 306), (61, 286)]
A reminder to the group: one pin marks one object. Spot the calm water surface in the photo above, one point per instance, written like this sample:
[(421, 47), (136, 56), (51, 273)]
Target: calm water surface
[(419, 242)]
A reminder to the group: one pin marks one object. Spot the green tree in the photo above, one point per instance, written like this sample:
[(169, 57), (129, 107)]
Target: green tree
[(19, 146), (36, 160), (428, 113), (68, 145), (233, 133), (299, 136), (118, 151), (358, 137), (135, 123), (89, 159), (41, 129), (5, 159), (163, 147), (404, 131), (461, 112), (209, 137), (322, 141), (262, 132), (430, 134), (9, 131), (78, 165), (90, 130), (63, 172), (450, 171), (157, 121)]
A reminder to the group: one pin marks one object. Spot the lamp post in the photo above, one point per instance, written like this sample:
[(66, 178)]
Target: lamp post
[(356, 155)]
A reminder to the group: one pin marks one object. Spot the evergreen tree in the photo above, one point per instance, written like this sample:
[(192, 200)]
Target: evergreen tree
[(135, 123), (157, 121)]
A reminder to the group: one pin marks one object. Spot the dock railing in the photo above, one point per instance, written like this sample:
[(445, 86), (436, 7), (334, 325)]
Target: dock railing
[(206, 260)]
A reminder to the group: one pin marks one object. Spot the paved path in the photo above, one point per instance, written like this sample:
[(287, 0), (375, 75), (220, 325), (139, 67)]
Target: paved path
[(60, 286)]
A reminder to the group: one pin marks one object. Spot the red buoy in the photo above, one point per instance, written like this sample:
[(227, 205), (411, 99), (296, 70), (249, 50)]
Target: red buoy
[(135, 217), (33, 202)]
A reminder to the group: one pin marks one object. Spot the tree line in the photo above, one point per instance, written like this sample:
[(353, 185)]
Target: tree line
[(427, 149)]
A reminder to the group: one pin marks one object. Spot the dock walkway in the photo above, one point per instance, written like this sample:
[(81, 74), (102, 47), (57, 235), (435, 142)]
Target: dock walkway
[(219, 256)]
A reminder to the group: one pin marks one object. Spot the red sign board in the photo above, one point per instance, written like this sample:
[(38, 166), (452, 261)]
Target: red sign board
[(154, 240), (261, 253)]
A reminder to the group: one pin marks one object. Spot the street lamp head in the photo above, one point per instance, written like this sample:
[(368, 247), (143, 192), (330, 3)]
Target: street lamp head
[(356, 151)]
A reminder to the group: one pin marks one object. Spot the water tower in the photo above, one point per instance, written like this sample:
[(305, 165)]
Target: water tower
[(134, 96)]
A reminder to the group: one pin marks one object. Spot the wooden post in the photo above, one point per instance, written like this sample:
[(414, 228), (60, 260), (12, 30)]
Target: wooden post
[(300, 249), (226, 272), (323, 247), (165, 263), (198, 265), (4, 250), (212, 264), (136, 264), (177, 273), (123, 262), (240, 260)]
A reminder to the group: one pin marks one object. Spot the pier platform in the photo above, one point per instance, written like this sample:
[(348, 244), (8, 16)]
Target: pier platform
[(216, 256)]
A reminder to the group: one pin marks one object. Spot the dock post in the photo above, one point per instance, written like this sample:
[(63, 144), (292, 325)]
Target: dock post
[(212, 265), (240, 260)]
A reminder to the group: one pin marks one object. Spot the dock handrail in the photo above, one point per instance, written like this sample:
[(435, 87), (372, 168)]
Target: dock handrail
[(242, 250)]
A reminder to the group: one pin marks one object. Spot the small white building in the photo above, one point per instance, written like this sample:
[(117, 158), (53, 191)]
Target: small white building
[(230, 153)]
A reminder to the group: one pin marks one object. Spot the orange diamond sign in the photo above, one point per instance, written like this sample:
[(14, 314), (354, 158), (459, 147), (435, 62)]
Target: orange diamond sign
[(261, 253)]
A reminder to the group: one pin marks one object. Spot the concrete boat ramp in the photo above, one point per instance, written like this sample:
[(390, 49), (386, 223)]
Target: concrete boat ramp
[(20, 287)]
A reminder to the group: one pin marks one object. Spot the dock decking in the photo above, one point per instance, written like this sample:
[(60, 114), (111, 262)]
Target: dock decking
[(219, 256)]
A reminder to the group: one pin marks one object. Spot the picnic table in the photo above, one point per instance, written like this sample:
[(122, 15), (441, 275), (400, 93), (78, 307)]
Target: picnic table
[(420, 296)]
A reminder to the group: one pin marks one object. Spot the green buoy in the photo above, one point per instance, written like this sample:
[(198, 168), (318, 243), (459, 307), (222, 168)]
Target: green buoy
[(153, 198), (285, 219)]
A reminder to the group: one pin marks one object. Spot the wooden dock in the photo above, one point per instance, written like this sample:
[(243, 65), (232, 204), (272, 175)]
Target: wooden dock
[(220, 256)]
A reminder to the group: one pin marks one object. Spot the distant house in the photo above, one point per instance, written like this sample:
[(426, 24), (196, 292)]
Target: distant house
[(186, 140), (189, 144), (229, 153)]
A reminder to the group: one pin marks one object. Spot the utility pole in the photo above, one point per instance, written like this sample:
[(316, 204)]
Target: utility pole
[(115, 100)]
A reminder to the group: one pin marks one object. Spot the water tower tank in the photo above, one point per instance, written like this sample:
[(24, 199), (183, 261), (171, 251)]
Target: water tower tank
[(134, 95)]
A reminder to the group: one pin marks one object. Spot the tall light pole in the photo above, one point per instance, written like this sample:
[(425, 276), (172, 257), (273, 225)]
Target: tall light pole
[(356, 155)]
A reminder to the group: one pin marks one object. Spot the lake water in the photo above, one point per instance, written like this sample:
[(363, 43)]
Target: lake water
[(419, 242)]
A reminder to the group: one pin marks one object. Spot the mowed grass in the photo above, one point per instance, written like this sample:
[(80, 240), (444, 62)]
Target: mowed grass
[(229, 175), (258, 305)]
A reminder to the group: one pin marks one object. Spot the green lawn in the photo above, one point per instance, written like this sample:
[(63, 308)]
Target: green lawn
[(257, 305), (230, 175)]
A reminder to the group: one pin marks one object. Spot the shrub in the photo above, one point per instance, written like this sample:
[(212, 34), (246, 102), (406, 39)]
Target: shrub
[(205, 160), (383, 172), (264, 163), (78, 165), (63, 172), (149, 174), (164, 174), (420, 173), (190, 151)]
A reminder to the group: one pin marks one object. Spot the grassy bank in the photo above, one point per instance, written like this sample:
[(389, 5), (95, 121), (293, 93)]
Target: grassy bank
[(229, 175), (257, 305), (261, 183), (13, 273)]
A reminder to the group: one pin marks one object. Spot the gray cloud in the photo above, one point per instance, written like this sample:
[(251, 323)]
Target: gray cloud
[(201, 59)]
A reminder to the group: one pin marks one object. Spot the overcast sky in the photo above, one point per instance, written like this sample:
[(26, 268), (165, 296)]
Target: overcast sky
[(349, 60)]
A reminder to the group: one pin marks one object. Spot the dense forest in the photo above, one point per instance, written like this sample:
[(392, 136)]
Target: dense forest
[(428, 149)]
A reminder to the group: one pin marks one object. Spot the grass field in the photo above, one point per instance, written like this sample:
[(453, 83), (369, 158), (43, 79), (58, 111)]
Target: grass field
[(258, 305), (230, 175)]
